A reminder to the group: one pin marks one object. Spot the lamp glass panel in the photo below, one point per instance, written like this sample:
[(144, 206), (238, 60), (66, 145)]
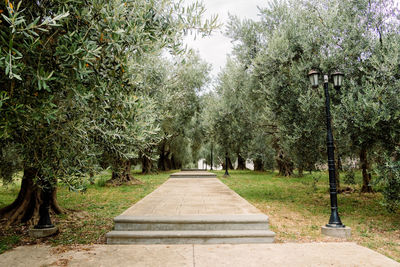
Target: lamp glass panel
[(314, 79), (341, 80), (311, 79), (336, 80)]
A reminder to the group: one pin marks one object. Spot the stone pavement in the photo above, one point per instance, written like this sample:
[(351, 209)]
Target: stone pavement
[(181, 196), (248, 255)]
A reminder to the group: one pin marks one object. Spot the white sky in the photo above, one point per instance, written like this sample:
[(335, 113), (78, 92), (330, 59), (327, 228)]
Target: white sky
[(215, 48)]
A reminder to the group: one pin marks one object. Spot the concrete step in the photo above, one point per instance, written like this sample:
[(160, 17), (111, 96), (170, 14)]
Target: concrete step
[(191, 222), (190, 237)]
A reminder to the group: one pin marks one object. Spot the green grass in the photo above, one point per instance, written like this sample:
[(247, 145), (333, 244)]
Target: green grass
[(299, 206), (89, 214)]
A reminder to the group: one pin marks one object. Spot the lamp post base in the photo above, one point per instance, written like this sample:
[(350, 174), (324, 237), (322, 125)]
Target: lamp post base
[(43, 232), (341, 232)]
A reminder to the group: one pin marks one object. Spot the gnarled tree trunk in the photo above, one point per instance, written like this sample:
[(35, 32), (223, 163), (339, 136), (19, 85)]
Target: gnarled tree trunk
[(241, 162), (164, 163), (147, 165), (123, 174), (366, 187), (285, 165), (258, 165), (25, 208)]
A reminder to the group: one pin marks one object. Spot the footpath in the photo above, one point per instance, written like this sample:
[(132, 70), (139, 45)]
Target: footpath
[(193, 219)]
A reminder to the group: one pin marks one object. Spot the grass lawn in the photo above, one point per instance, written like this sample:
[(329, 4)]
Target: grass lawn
[(90, 214), (298, 207)]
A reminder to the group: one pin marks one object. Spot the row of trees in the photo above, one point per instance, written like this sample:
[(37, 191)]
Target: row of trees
[(264, 108), (87, 85)]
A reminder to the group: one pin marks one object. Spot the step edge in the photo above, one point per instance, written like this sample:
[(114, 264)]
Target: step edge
[(186, 234), (206, 219)]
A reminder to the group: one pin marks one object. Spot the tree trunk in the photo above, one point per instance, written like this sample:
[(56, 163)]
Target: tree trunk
[(230, 165), (147, 165), (25, 209), (258, 165), (366, 188), (173, 163), (167, 159), (123, 174), (285, 165), (300, 170), (241, 162), (162, 160)]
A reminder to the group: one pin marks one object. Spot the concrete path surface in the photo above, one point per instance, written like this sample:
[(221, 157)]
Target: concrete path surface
[(248, 255), (191, 210), (186, 196)]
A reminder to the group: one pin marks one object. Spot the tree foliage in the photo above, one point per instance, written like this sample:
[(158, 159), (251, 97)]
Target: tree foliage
[(273, 56), (72, 95)]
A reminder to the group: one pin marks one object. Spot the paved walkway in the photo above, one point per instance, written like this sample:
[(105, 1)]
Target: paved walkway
[(288, 254), (188, 196)]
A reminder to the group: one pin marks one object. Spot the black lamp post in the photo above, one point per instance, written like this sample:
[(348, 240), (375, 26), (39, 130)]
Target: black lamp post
[(226, 164), (334, 221), (44, 216)]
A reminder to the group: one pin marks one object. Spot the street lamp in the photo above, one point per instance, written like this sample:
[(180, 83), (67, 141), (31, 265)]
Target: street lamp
[(335, 225)]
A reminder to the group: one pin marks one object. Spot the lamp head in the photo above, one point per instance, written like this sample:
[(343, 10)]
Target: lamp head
[(314, 77), (337, 78)]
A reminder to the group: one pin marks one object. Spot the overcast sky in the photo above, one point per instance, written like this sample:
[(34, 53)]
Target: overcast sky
[(215, 48)]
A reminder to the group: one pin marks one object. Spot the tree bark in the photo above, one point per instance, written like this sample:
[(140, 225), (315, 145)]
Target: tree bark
[(300, 170), (366, 187), (230, 165), (162, 160), (123, 174), (25, 208), (258, 165), (147, 165), (285, 165), (173, 163), (164, 163), (241, 162)]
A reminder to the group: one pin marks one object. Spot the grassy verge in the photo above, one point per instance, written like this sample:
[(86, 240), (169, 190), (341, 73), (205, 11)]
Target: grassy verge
[(89, 214), (298, 207)]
